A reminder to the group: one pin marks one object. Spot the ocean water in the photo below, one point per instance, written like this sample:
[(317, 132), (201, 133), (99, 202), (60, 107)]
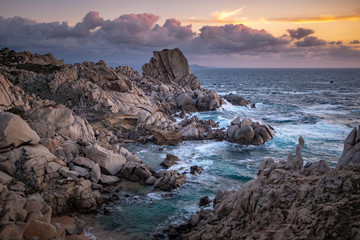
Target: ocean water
[(322, 105)]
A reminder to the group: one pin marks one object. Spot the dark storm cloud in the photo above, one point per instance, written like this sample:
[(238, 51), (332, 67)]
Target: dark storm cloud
[(235, 39), (355, 42), (300, 33), (310, 42)]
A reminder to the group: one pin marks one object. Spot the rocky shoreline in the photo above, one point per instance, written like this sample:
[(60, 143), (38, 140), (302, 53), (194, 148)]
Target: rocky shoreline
[(62, 130), (287, 200)]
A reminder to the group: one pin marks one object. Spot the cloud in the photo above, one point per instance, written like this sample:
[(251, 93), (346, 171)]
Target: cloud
[(336, 43), (299, 32), (310, 42), (316, 19), (128, 30), (226, 16), (132, 36), (232, 38), (90, 22)]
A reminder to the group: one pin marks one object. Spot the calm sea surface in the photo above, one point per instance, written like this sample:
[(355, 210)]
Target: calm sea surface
[(322, 105)]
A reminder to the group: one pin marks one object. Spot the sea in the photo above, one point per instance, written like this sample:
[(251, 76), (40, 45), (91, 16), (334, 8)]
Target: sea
[(321, 105)]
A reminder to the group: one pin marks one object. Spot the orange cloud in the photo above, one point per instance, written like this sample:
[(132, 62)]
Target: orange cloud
[(326, 18), (222, 17)]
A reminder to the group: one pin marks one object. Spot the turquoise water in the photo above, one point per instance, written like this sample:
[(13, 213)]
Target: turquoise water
[(296, 102)]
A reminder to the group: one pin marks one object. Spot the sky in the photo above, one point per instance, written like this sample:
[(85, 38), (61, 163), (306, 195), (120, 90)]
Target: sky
[(217, 33)]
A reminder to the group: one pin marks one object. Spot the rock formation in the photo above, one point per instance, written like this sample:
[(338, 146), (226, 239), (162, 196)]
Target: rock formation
[(287, 201), (247, 132), (167, 78), (119, 99), (236, 100), (62, 126)]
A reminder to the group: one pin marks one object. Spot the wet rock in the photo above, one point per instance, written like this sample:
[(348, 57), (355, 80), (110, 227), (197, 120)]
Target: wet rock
[(204, 202), (169, 160), (168, 181), (247, 132), (236, 100), (195, 169)]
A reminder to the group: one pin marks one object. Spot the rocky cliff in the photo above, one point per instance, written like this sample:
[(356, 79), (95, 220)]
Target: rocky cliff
[(287, 200), (62, 127)]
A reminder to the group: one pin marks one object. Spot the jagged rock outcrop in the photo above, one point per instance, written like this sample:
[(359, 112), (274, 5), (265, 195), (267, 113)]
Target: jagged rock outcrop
[(351, 152), (119, 99), (167, 78), (71, 157), (247, 132), (86, 87), (286, 201)]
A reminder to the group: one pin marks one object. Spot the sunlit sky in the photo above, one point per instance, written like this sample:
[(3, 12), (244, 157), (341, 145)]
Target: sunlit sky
[(219, 33)]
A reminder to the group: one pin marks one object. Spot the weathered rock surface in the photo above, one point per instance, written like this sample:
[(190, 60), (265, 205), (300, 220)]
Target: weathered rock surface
[(168, 181), (286, 201), (14, 132), (164, 137), (169, 160), (236, 100), (108, 161), (351, 152), (168, 76), (247, 132), (69, 148)]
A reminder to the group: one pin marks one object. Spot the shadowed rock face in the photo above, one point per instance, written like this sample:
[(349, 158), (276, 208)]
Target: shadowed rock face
[(287, 201), (351, 152), (167, 65), (168, 77)]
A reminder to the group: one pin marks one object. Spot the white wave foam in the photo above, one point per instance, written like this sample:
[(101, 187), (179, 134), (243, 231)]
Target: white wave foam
[(325, 109)]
